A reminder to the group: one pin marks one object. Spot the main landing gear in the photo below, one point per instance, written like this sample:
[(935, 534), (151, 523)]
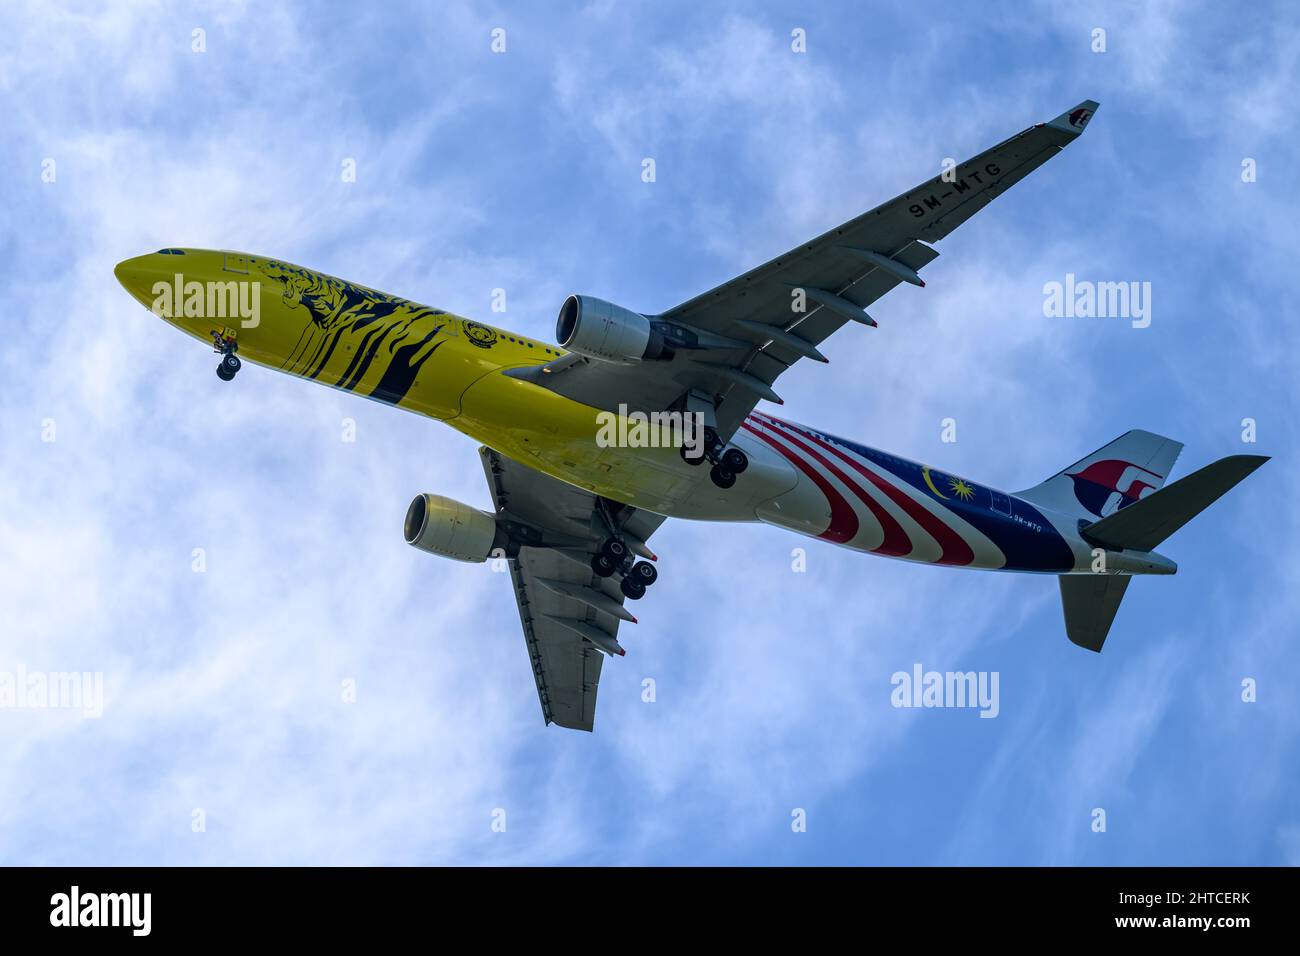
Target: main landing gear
[(615, 558), (230, 363), (727, 462)]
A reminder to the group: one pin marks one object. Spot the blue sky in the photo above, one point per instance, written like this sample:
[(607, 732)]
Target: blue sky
[(521, 171)]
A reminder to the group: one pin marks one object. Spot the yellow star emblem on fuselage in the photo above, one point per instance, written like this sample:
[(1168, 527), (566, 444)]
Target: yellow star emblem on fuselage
[(961, 489)]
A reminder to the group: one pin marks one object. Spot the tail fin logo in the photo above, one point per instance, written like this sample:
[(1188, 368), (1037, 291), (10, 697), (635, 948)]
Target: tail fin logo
[(1079, 118), (1106, 486)]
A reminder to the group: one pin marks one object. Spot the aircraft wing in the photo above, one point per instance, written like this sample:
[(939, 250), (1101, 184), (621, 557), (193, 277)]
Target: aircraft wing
[(752, 332), (565, 608)]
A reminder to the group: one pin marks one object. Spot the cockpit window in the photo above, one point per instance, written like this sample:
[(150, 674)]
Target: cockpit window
[(171, 252)]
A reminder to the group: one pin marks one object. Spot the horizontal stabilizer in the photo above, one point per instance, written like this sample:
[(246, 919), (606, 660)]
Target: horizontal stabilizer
[(1143, 525), (1090, 602)]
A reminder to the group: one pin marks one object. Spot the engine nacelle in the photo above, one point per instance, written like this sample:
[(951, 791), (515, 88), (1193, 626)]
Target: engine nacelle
[(448, 528), (602, 330)]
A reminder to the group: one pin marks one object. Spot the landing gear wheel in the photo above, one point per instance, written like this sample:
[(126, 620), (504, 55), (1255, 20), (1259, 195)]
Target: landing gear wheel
[(696, 459), (734, 460), (602, 566), (632, 589), (230, 364), (722, 477), (615, 550), (645, 572)]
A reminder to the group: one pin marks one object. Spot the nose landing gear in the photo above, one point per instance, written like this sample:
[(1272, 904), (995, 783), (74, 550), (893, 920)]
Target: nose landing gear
[(230, 363)]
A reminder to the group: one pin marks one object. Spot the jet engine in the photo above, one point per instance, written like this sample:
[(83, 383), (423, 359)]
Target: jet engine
[(448, 528), (602, 330)]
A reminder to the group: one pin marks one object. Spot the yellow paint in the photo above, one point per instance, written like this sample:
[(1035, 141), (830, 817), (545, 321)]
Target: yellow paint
[(357, 339), (925, 473), (961, 489)]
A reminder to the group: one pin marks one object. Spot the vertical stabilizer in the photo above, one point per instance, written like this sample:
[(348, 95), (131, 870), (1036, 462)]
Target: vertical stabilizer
[(1113, 477)]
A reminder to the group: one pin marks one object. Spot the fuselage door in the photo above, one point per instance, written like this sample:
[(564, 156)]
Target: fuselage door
[(235, 262), (1001, 503)]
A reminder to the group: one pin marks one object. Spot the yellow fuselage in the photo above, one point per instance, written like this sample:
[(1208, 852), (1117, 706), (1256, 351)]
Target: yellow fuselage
[(424, 360)]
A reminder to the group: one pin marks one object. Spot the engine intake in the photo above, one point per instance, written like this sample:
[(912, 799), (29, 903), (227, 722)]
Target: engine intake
[(448, 528), (602, 330)]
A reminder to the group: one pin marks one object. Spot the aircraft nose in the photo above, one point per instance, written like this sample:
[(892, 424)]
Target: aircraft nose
[(137, 276), (129, 270)]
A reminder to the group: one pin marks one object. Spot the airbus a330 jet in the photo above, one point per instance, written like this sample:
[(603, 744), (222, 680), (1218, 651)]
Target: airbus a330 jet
[(573, 512)]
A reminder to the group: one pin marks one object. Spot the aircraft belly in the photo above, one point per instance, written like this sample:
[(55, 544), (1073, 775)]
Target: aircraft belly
[(768, 477)]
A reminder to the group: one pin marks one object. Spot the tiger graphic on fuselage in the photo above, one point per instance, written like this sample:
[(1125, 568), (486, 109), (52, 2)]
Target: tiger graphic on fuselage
[(352, 326)]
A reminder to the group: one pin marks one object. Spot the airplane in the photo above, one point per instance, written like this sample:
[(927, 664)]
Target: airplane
[(573, 514)]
